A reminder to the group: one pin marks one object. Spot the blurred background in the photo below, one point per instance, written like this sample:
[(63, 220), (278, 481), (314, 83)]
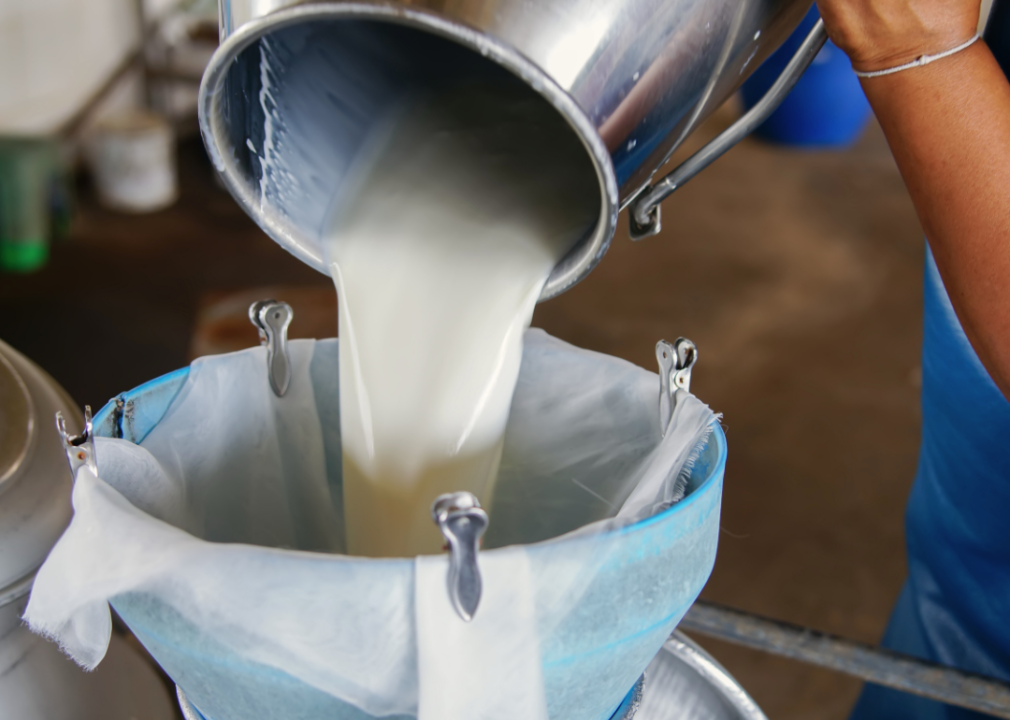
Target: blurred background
[(795, 263)]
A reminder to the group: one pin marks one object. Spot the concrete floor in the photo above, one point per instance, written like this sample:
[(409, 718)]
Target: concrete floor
[(798, 274)]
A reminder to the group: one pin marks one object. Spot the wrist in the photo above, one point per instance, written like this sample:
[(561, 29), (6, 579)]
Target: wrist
[(880, 34), (919, 61), (878, 60)]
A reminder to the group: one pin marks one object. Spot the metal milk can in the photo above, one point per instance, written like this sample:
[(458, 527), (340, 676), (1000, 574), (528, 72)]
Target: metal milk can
[(294, 86), (38, 682)]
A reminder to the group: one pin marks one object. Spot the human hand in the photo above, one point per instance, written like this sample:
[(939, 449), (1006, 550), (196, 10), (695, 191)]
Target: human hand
[(879, 34)]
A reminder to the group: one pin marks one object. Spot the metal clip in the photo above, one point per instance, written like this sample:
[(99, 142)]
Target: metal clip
[(462, 522), (675, 364), (80, 449), (272, 319)]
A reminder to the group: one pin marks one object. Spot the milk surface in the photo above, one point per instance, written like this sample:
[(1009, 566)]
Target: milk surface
[(462, 202)]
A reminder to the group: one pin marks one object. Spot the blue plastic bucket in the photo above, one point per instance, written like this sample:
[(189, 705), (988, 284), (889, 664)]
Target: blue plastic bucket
[(652, 573), (827, 108)]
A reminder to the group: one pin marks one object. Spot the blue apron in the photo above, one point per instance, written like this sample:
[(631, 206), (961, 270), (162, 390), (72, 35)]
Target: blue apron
[(955, 606)]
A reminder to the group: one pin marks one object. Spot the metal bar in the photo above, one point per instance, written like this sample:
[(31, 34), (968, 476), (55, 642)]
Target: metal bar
[(872, 664), (72, 124), (190, 78), (135, 59), (144, 32)]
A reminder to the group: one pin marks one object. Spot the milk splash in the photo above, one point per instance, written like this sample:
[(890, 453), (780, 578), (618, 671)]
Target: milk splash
[(462, 203)]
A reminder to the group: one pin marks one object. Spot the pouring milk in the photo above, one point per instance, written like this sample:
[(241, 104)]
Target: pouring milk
[(462, 203)]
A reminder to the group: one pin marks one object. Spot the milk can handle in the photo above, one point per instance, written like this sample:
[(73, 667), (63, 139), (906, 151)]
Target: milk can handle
[(644, 211)]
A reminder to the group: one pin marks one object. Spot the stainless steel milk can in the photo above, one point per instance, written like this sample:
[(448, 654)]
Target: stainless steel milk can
[(293, 87)]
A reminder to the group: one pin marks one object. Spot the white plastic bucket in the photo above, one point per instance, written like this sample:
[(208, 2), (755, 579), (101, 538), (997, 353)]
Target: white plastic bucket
[(132, 158)]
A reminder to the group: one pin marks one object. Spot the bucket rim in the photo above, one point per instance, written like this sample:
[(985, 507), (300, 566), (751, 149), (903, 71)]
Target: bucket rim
[(108, 423)]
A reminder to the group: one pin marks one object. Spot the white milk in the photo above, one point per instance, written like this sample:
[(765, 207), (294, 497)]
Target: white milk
[(462, 205)]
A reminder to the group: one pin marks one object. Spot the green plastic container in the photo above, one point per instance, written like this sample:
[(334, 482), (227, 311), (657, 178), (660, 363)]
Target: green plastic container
[(30, 169)]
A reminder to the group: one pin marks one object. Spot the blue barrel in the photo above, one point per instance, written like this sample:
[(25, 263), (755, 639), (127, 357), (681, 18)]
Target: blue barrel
[(826, 109)]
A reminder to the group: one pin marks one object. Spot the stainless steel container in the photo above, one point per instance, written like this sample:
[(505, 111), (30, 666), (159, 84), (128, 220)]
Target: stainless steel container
[(35, 480), (294, 86), (37, 682), (684, 682)]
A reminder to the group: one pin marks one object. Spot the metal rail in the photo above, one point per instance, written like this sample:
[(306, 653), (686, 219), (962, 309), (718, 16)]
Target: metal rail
[(872, 664)]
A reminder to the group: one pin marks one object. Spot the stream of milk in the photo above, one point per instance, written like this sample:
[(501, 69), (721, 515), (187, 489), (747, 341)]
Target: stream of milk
[(460, 205)]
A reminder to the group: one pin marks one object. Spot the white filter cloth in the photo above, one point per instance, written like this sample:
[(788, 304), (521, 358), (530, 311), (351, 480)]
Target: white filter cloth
[(227, 520)]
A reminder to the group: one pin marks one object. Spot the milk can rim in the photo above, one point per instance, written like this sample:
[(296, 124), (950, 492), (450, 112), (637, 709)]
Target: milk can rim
[(505, 55)]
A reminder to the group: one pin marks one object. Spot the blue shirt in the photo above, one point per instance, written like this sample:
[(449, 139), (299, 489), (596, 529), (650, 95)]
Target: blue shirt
[(955, 606)]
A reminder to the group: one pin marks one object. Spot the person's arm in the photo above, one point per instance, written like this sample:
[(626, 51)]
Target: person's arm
[(948, 125)]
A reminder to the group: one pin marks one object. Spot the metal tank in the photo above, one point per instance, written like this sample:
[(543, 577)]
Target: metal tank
[(38, 682), (294, 86)]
